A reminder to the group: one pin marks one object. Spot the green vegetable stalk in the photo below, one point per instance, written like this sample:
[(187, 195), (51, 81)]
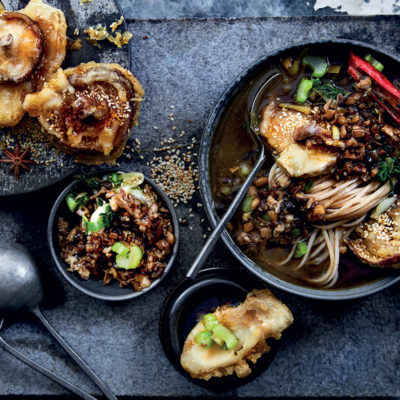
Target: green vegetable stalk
[(303, 90), (301, 250), (318, 65)]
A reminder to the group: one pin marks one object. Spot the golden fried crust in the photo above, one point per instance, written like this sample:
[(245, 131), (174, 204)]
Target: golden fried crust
[(89, 110), (54, 27), (376, 242), (51, 22), (259, 317), (21, 47)]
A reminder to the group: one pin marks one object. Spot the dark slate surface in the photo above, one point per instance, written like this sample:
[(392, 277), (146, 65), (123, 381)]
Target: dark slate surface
[(342, 349)]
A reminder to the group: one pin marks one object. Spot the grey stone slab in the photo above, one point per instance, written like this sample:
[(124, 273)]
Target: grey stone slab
[(148, 9), (333, 349)]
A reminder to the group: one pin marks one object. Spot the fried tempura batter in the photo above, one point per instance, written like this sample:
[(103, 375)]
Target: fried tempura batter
[(52, 26), (89, 110), (259, 317)]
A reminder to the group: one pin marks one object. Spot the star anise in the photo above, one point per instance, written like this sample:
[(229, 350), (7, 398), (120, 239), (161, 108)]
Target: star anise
[(17, 160)]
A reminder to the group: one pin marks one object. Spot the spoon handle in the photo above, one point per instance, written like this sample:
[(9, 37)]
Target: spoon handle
[(99, 383), (44, 371), (212, 239)]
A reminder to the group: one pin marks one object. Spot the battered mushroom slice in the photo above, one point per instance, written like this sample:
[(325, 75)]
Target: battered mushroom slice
[(21, 47), (89, 110), (259, 317), (280, 128), (377, 241), (51, 23)]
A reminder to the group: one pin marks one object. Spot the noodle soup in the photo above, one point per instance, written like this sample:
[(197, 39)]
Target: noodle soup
[(331, 132)]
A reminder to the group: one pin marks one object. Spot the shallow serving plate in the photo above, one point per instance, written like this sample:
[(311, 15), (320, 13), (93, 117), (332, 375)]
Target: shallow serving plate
[(88, 14), (250, 80), (96, 289)]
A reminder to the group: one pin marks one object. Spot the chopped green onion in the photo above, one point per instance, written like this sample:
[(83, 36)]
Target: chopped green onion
[(318, 65), (303, 90), (244, 170), (120, 248), (374, 62), (131, 260), (133, 179), (246, 205), (301, 250), (226, 335), (226, 190), (333, 69), (383, 206), (204, 339), (96, 226), (210, 321), (71, 202)]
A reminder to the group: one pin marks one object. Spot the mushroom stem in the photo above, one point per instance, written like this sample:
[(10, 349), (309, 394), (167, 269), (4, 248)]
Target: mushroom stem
[(6, 40)]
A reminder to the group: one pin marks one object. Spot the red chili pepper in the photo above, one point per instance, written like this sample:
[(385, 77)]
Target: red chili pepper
[(364, 66), (354, 73), (392, 113)]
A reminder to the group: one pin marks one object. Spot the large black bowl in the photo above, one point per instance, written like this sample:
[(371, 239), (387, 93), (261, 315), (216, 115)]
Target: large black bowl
[(111, 292), (249, 79)]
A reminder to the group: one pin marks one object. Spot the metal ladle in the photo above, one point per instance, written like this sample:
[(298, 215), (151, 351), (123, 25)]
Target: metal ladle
[(216, 284), (21, 289), (255, 134)]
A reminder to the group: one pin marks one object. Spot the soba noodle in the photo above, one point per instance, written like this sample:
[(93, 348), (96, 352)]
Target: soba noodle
[(346, 204)]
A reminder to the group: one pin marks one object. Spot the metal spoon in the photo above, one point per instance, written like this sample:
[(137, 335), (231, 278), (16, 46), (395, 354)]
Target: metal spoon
[(255, 134), (72, 388), (21, 289)]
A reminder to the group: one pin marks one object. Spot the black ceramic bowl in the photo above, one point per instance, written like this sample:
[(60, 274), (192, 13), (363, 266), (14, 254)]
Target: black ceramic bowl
[(250, 80), (212, 287), (111, 292)]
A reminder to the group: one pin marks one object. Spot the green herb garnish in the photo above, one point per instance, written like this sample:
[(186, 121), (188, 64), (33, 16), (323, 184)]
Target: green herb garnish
[(388, 168), (327, 90), (308, 186), (301, 250)]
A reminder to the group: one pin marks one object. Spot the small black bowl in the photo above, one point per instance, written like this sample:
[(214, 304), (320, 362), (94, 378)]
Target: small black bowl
[(213, 287), (112, 291)]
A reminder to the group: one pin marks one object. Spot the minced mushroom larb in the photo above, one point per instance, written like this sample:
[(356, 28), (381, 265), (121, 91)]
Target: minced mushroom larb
[(116, 228)]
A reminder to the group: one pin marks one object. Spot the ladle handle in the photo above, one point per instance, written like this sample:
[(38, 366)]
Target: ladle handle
[(98, 382), (212, 239), (44, 371)]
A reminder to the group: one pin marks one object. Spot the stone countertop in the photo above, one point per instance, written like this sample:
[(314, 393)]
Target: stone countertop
[(149, 9), (333, 349)]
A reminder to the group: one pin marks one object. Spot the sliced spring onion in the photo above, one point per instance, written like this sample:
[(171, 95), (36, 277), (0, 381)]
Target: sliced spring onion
[(303, 90), (226, 190), (132, 179), (74, 202), (204, 339), (210, 321), (333, 69), (246, 205), (226, 335), (131, 260), (383, 206), (374, 62), (301, 250), (244, 170), (303, 109), (71, 202), (318, 65), (120, 248)]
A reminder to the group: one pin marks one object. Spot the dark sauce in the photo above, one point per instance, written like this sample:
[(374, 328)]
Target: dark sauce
[(233, 144)]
